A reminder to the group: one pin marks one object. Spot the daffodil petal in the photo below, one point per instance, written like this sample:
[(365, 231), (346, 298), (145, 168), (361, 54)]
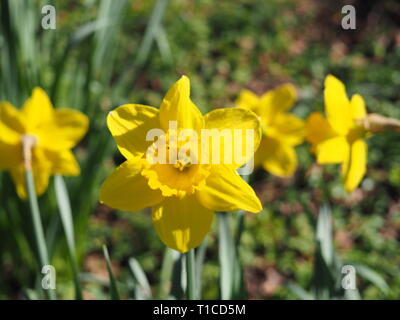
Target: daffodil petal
[(38, 109), (127, 189), (129, 124), (9, 136), (64, 130), (41, 170), (278, 100), (318, 128), (11, 118), (333, 150), (337, 105), (354, 167), (239, 120), (182, 223), (177, 106), (225, 190), (72, 125), (357, 105), (11, 155), (248, 100), (288, 128), (276, 157), (63, 162)]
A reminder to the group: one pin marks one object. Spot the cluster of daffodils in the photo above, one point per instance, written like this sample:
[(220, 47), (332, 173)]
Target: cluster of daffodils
[(174, 175)]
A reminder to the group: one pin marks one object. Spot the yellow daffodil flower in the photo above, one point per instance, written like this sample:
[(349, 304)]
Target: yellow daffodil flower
[(184, 193), (340, 137), (52, 132), (281, 130)]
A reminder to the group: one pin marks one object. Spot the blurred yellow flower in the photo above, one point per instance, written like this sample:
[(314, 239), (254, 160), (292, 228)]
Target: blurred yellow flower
[(183, 193), (339, 137), (281, 130), (53, 132)]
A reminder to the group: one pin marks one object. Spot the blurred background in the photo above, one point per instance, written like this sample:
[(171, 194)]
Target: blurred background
[(106, 53)]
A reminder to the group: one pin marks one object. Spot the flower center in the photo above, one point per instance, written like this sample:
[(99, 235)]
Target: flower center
[(183, 164), (171, 165)]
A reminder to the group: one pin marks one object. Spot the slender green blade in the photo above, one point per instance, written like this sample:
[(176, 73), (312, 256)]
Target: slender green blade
[(64, 208), (144, 290), (299, 291), (113, 283), (170, 257), (325, 270), (372, 276)]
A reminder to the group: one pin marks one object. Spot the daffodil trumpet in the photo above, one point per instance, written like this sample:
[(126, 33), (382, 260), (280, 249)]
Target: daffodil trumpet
[(185, 190)]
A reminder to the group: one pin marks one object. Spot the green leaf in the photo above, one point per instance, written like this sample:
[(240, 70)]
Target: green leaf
[(144, 290), (64, 208), (231, 275), (324, 234), (325, 269), (170, 257), (372, 276), (299, 291), (113, 283)]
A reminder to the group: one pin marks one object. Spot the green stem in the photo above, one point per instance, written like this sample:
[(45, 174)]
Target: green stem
[(37, 226), (190, 276)]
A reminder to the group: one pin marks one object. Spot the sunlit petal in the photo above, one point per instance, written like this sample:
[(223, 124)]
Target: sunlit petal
[(357, 105), (177, 106), (239, 120), (129, 124), (225, 190), (333, 150), (38, 109), (127, 189), (276, 157), (182, 223), (288, 128), (277, 100), (354, 167), (337, 105)]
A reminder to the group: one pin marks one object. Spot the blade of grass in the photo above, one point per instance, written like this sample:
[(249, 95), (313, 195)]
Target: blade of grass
[(325, 271), (113, 283), (299, 291), (170, 256), (128, 77), (77, 37), (372, 276), (64, 208), (144, 290)]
